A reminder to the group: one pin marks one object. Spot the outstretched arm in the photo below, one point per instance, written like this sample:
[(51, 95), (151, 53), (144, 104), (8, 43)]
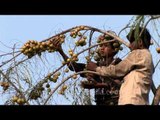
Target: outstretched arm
[(73, 66), (120, 70)]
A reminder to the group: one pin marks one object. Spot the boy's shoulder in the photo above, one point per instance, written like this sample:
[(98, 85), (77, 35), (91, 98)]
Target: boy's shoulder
[(137, 50), (141, 54), (141, 51)]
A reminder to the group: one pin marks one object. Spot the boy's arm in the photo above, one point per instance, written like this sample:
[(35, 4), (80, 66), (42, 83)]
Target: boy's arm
[(73, 66), (121, 69)]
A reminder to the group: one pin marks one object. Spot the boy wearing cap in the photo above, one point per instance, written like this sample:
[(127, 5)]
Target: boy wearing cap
[(137, 69)]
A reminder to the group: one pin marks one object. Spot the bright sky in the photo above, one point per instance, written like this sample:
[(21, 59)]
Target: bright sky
[(20, 28)]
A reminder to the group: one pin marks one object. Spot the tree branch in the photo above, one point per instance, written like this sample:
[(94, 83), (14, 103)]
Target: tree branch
[(156, 97)]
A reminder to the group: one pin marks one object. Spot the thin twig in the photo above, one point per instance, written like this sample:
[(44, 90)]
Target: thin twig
[(9, 53), (14, 86), (9, 60), (64, 80), (156, 98)]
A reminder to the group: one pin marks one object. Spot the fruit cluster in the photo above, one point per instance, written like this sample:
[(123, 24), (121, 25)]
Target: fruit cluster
[(18, 100), (54, 78), (62, 90), (76, 32), (81, 41), (37, 92), (74, 57), (5, 85), (33, 47)]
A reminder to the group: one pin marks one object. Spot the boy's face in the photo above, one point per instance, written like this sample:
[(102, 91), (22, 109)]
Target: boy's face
[(106, 50)]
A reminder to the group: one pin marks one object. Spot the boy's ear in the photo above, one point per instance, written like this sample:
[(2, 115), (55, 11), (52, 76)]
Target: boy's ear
[(140, 42)]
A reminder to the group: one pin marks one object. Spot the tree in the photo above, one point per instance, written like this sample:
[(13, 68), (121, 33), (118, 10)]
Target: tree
[(28, 75)]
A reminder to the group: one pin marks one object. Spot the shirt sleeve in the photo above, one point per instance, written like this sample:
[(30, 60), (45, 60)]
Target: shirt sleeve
[(122, 68)]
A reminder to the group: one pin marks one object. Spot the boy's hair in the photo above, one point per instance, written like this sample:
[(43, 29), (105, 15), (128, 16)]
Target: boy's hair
[(145, 36)]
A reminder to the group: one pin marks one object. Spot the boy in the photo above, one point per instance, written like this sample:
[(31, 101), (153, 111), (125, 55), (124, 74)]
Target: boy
[(105, 94), (137, 69)]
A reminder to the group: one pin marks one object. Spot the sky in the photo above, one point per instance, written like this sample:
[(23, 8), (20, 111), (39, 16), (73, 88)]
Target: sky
[(20, 28)]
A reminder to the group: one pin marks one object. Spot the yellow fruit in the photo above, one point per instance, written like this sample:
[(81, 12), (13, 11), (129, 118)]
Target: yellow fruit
[(75, 55), (27, 45), (75, 31), (74, 76), (22, 100), (64, 87), (61, 92), (66, 70), (82, 42), (49, 75), (30, 49), (26, 51), (51, 45), (68, 60), (34, 48), (87, 58), (37, 47), (84, 37), (62, 36), (70, 50), (54, 79), (19, 101), (41, 46), (70, 53), (115, 45), (62, 40), (14, 99), (57, 74), (63, 63), (43, 43), (117, 49), (82, 27), (6, 84), (74, 36), (22, 50), (158, 50)]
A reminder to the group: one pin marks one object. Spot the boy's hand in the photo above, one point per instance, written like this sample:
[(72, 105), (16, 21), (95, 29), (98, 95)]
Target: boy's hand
[(91, 66), (57, 45)]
